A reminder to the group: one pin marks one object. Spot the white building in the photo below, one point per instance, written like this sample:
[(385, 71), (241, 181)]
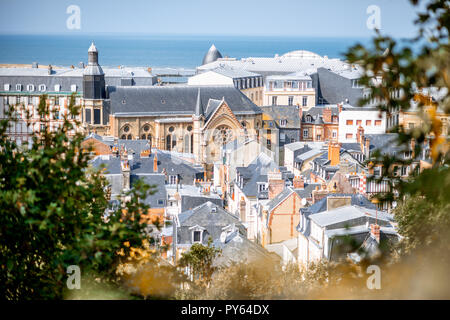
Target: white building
[(351, 118)]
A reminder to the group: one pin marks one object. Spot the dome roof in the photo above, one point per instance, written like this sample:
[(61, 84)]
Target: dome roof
[(301, 54), (212, 55)]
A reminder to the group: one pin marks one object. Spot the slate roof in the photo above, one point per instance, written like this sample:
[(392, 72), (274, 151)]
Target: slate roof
[(255, 172), (316, 113), (233, 73), (177, 100), (385, 142), (289, 113), (205, 217), (158, 199), (66, 77), (341, 216), (356, 199), (138, 165), (238, 249)]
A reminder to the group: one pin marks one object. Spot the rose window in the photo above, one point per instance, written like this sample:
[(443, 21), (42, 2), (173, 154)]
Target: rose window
[(223, 135)]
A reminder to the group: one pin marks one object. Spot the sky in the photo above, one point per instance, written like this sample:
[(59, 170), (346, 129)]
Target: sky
[(303, 18)]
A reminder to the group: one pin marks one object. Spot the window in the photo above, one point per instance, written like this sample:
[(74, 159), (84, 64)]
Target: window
[(334, 134), (404, 170), (368, 122), (304, 101), (318, 137), (30, 87), (308, 118), (290, 100), (411, 125), (42, 87), (197, 236), (18, 87), (283, 123), (358, 122), (262, 187), (73, 88), (355, 83), (334, 119), (7, 87), (126, 129), (377, 123), (161, 202), (130, 137), (57, 87), (97, 116), (305, 133), (349, 136), (274, 100), (269, 143), (88, 116), (172, 179), (349, 122)]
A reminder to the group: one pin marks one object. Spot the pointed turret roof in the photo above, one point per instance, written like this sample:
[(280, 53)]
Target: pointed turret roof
[(199, 106), (212, 55), (92, 48)]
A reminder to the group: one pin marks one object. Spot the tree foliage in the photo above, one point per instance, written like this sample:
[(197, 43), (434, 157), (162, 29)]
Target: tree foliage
[(52, 212)]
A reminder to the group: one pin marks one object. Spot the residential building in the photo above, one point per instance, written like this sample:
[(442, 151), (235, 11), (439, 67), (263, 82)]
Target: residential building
[(289, 90), (249, 83), (324, 226), (352, 119), (320, 123)]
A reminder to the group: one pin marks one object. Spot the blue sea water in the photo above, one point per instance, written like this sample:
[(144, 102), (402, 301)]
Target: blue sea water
[(175, 51)]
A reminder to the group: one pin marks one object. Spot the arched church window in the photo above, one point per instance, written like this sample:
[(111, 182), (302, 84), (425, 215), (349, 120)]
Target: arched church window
[(130, 137), (146, 127), (222, 135), (126, 128), (143, 137), (189, 128), (171, 129), (123, 137)]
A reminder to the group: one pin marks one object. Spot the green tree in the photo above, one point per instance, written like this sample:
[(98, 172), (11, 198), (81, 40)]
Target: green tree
[(54, 213), (200, 262)]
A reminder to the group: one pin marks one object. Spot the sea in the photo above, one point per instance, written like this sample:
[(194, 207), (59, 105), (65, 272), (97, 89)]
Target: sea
[(158, 51)]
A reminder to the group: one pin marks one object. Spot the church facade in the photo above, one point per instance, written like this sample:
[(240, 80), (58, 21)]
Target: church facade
[(184, 119)]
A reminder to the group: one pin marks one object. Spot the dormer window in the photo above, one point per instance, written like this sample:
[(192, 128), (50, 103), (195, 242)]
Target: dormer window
[(308, 118), (197, 234), (73, 88), (30, 87), (7, 87), (18, 87), (283, 123), (57, 87), (42, 87), (172, 179)]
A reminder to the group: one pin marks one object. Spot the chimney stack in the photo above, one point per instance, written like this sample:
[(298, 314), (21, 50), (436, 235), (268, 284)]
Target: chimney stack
[(50, 69), (242, 209), (360, 134), (125, 166), (326, 115), (340, 106), (334, 150), (276, 183), (375, 232), (298, 182), (155, 163)]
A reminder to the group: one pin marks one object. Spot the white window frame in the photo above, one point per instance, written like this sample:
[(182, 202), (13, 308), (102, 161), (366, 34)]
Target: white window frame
[(19, 87), (42, 87), (30, 87), (73, 88), (283, 122), (57, 87), (305, 133), (7, 87)]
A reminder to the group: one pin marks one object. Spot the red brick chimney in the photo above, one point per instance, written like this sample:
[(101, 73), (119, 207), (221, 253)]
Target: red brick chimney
[(298, 182), (340, 106), (326, 115), (375, 231), (300, 111), (334, 150), (276, 183), (360, 134)]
